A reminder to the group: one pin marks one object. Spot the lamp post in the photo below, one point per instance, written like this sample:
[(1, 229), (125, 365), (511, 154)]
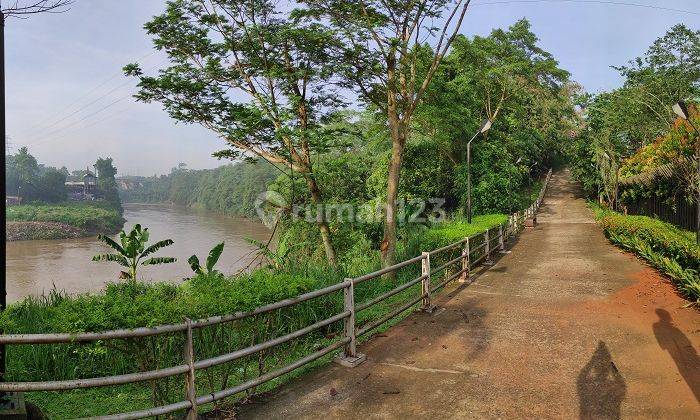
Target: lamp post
[(485, 126), (681, 109)]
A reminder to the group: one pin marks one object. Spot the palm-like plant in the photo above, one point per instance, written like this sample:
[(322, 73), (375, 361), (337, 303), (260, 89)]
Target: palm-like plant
[(132, 250), (212, 259)]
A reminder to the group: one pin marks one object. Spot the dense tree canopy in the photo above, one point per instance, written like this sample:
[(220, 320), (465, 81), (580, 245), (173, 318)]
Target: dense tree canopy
[(230, 189), (633, 129)]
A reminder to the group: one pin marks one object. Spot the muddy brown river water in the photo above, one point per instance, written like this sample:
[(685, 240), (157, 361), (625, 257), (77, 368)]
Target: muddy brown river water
[(36, 267)]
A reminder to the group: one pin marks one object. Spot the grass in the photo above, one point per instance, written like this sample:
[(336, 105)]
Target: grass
[(664, 246), (91, 217), (129, 305)]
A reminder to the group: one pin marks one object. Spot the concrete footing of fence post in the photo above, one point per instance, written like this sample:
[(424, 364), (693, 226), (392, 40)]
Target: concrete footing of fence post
[(465, 263), (350, 357), (13, 407), (427, 305)]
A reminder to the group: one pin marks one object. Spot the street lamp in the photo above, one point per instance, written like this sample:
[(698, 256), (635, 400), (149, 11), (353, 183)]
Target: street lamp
[(485, 126), (681, 109)]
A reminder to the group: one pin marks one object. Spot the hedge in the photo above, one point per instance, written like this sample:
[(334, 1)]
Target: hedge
[(663, 245)]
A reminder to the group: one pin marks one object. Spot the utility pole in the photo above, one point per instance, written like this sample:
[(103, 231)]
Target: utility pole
[(3, 280), (12, 403)]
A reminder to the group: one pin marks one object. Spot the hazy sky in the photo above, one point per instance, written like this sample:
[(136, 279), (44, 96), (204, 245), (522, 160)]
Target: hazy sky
[(64, 69)]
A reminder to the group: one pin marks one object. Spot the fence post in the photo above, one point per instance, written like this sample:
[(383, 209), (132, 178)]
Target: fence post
[(350, 357), (465, 263), (487, 248), (427, 305), (190, 388), (501, 242)]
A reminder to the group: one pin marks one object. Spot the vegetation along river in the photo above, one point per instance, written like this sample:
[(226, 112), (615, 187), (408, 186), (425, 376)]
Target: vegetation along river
[(34, 267)]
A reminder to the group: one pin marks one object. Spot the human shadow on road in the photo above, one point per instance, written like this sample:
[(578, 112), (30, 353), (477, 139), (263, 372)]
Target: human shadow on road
[(680, 348), (601, 387)]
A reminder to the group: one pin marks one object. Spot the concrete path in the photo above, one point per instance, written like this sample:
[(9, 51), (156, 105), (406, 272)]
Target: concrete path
[(564, 326)]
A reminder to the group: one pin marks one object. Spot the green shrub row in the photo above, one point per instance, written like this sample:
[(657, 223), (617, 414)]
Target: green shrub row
[(663, 245)]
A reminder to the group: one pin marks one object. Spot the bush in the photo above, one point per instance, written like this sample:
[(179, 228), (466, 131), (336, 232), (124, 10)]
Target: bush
[(663, 237), (90, 217), (453, 231), (663, 245)]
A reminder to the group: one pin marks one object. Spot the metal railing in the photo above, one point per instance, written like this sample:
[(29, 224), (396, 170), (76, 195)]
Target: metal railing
[(471, 252)]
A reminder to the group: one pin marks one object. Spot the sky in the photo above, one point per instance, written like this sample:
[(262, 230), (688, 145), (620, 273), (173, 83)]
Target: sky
[(69, 103)]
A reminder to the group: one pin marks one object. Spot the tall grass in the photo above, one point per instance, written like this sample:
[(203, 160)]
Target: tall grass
[(92, 217)]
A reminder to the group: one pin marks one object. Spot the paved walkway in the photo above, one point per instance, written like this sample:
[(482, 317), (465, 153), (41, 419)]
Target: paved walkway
[(564, 326)]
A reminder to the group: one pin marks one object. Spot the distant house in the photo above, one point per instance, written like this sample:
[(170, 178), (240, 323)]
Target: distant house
[(12, 200), (82, 189), (126, 184)]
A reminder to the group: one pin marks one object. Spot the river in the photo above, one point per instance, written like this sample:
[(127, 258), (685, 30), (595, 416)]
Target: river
[(35, 267)]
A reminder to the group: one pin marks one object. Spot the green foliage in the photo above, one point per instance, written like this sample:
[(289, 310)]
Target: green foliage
[(508, 78), (230, 189), (92, 217), (637, 119), (212, 259), (26, 178), (663, 245), (135, 304), (269, 95), (132, 249)]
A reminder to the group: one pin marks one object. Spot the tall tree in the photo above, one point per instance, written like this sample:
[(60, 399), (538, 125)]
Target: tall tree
[(21, 9), (256, 76), (668, 72), (627, 119), (505, 76), (26, 168), (106, 182), (379, 49)]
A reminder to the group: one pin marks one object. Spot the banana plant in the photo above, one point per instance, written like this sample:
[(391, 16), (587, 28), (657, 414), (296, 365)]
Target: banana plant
[(212, 259), (132, 249), (278, 257)]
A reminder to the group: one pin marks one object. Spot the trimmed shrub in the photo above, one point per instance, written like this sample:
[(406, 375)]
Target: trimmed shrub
[(663, 237), (663, 245)]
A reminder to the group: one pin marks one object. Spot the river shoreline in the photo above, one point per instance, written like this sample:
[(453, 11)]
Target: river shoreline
[(36, 267), (30, 231)]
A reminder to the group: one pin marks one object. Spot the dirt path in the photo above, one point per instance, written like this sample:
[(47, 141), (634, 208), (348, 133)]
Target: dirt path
[(564, 326)]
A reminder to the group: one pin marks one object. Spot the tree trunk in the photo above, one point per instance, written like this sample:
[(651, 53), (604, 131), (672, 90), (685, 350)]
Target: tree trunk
[(321, 219), (388, 247)]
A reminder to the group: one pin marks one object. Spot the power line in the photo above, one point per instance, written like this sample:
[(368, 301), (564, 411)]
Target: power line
[(43, 134), (91, 124), (50, 135), (86, 94), (43, 131), (605, 2)]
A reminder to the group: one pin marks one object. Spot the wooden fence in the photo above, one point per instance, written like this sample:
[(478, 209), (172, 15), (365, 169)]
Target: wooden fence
[(474, 250), (682, 215)]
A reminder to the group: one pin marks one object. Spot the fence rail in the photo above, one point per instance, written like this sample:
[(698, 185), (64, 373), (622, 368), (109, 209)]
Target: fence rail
[(471, 255)]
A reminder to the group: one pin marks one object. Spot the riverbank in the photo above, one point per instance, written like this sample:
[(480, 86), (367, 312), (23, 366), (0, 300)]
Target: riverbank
[(27, 231), (129, 305), (61, 221)]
